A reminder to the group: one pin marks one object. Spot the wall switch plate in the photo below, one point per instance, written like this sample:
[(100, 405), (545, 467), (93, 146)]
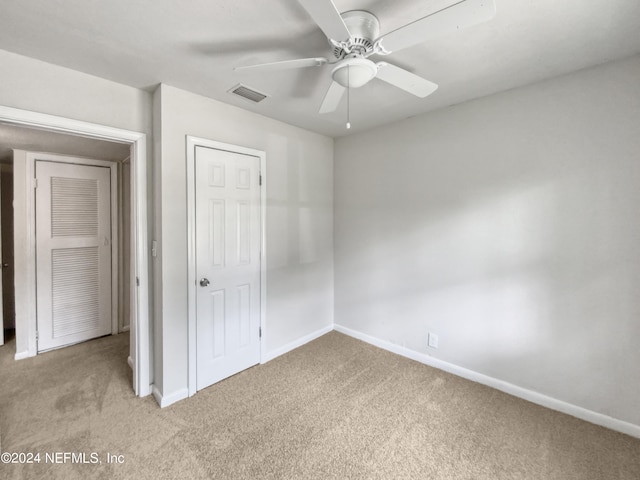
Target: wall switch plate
[(433, 340)]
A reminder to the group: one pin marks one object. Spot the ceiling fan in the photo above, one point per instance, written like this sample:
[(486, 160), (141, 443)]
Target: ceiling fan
[(355, 36)]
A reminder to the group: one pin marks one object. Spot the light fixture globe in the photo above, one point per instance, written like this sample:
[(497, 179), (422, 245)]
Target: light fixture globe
[(354, 72)]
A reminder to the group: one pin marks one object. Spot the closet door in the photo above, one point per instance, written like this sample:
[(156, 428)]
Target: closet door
[(73, 250), (227, 187)]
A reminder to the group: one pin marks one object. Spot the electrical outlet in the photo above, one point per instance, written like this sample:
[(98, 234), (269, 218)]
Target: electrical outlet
[(433, 340)]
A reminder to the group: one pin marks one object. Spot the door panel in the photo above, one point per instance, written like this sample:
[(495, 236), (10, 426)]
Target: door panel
[(227, 263), (73, 250)]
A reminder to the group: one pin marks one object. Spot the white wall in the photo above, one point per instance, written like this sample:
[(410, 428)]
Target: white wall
[(38, 86), (299, 208), (45, 88), (508, 226), (125, 246)]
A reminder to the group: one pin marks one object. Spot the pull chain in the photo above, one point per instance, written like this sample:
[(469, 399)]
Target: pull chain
[(348, 94)]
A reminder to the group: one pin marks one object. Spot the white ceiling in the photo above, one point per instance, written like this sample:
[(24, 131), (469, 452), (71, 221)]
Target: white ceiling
[(194, 45)]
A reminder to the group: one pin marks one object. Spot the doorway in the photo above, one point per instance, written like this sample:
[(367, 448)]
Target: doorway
[(139, 359), (226, 262)]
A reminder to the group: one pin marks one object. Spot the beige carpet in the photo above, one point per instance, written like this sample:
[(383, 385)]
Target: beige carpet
[(335, 408)]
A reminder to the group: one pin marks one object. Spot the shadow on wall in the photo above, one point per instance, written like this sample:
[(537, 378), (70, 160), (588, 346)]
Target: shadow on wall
[(300, 239), (506, 278), (300, 212)]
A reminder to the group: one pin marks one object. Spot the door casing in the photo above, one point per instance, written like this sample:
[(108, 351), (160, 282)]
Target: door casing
[(191, 143)]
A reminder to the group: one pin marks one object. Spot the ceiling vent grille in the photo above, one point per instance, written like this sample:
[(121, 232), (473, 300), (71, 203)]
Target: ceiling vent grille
[(248, 93)]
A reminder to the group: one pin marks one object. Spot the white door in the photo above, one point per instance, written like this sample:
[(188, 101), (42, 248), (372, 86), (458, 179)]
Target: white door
[(73, 250), (227, 263)]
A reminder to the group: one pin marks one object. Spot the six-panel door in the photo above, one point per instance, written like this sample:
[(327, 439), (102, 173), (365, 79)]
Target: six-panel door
[(227, 263)]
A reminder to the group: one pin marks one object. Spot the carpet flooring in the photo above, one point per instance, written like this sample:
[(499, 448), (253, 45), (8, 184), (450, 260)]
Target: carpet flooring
[(335, 408)]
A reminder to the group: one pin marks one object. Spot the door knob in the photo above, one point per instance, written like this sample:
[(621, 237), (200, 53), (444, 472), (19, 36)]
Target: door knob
[(204, 282)]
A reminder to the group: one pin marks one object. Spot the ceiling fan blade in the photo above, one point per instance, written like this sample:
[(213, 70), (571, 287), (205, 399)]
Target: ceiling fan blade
[(332, 98), (407, 81), (328, 18), (284, 65), (463, 13)]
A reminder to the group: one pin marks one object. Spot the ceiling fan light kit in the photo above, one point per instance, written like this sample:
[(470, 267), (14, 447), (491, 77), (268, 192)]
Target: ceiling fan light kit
[(355, 36), (354, 72)]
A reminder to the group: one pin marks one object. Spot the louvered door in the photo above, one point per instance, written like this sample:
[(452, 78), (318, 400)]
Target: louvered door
[(73, 242)]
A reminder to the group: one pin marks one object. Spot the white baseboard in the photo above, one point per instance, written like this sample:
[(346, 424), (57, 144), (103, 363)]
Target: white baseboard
[(22, 355), (166, 400), (296, 343), (130, 362), (511, 389)]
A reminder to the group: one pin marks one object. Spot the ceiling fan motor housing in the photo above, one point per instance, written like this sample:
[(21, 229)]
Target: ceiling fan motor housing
[(364, 28)]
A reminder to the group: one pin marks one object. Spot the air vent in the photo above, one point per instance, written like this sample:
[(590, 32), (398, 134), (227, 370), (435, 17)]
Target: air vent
[(248, 93)]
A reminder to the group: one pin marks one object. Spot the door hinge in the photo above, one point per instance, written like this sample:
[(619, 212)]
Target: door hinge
[(37, 336), (260, 332), (260, 179), (35, 183), (137, 282)]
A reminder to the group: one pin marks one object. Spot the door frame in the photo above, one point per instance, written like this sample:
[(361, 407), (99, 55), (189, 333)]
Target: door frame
[(191, 144), (114, 220), (140, 333)]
